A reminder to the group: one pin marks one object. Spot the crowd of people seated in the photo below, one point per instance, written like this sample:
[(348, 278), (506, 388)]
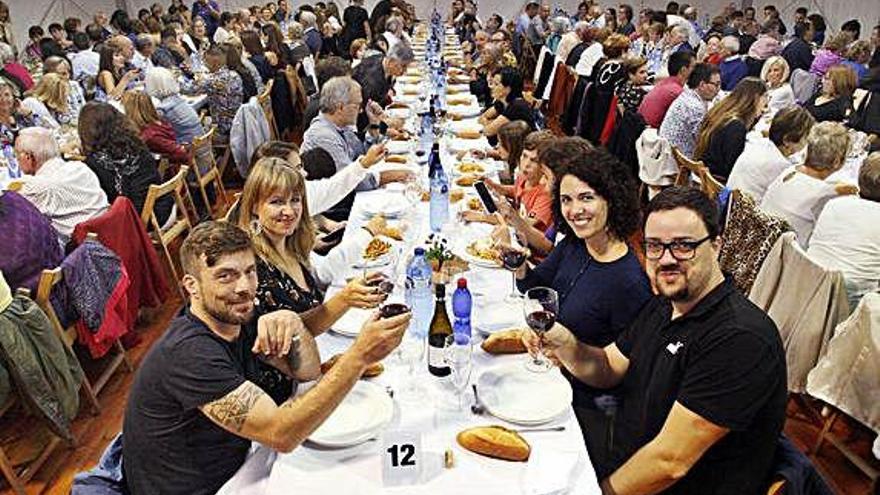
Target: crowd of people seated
[(677, 377)]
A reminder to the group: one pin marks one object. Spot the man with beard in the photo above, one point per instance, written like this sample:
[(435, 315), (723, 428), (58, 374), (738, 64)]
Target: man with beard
[(702, 369), (193, 410)]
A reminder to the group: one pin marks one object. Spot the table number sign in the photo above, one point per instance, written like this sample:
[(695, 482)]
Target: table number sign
[(402, 458)]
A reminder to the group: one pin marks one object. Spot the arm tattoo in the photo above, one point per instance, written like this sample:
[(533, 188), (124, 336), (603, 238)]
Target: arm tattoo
[(232, 409)]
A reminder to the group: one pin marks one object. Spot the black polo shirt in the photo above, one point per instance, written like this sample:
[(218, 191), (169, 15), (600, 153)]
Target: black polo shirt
[(724, 361)]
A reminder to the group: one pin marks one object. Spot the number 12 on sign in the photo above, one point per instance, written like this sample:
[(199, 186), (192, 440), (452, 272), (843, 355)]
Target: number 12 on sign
[(402, 458)]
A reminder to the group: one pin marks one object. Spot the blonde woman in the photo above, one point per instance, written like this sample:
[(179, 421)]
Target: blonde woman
[(49, 101), (775, 73), (722, 135), (274, 211)]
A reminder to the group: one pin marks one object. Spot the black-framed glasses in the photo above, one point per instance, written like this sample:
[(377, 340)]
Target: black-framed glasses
[(680, 250)]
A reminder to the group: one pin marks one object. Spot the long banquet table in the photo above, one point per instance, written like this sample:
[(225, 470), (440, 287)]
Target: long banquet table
[(559, 462)]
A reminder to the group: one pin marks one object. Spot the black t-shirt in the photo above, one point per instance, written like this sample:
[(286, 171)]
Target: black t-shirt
[(375, 85), (354, 17), (724, 361), (519, 109), (169, 446)]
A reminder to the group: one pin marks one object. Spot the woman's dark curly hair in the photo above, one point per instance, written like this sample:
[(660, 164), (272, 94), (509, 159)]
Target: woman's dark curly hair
[(604, 173), (103, 128)]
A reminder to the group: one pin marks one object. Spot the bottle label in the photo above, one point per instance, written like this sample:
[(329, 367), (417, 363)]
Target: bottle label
[(436, 358)]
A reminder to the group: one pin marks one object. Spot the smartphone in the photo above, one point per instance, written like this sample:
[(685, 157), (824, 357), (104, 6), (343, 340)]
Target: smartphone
[(485, 197)]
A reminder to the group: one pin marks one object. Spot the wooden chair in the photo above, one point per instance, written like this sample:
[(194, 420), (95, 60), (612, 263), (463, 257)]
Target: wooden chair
[(203, 146), (689, 169), (176, 188), (265, 101), (18, 476), (48, 280)]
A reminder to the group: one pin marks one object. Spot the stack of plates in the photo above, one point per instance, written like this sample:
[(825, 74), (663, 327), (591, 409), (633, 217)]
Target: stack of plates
[(508, 392), (361, 416)]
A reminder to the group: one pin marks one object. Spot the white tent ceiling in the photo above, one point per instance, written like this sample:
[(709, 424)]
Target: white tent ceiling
[(28, 12)]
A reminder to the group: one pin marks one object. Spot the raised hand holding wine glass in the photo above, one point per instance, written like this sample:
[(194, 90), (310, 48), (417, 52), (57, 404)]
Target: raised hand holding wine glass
[(540, 308)]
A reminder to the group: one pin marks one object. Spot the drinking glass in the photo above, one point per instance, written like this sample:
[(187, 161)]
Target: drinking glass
[(540, 307), (411, 352), (458, 353), (512, 257)]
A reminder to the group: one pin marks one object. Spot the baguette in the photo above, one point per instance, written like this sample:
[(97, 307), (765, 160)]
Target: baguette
[(469, 134), (395, 159), (372, 370), (505, 342), (495, 441)]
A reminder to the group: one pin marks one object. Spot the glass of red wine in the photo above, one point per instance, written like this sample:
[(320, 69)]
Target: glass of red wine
[(512, 258), (540, 307)]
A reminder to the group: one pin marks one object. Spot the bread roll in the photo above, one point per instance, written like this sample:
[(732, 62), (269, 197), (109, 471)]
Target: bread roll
[(372, 370), (395, 159), (505, 342), (495, 441), (469, 134)]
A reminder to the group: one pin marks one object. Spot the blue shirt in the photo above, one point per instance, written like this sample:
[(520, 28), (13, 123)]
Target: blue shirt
[(204, 11), (597, 300), (732, 71)]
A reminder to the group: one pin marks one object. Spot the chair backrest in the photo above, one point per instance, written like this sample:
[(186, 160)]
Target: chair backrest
[(176, 187), (202, 147), (265, 100), (688, 168), (48, 280)]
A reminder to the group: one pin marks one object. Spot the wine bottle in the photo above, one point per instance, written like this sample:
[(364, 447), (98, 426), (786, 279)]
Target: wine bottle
[(440, 329)]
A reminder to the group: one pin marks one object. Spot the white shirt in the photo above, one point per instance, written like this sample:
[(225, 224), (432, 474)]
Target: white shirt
[(799, 199), (759, 164), (221, 35), (85, 63), (847, 238), (322, 194), (588, 59), (339, 259), (780, 98), (141, 62), (68, 193)]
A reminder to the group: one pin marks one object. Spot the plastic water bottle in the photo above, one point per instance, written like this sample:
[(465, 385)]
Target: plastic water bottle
[(12, 168), (461, 309), (418, 292), (439, 213)]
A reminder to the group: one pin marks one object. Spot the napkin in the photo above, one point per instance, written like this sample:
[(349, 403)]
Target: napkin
[(551, 473)]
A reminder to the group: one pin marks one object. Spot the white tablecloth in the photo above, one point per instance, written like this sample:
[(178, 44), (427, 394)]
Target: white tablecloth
[(310, 469)]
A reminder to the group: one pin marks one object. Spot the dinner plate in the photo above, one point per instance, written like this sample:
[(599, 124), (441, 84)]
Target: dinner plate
[(399, 113), (465, 125), (508, 392), (459, 170), (361, 416), (394, 147), (471, 110), (475, 260), (351, 322), (458, 144), (387, 205), (409, 79)]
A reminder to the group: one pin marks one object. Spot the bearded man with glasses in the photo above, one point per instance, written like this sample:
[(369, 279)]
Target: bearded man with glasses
[(702, 369)]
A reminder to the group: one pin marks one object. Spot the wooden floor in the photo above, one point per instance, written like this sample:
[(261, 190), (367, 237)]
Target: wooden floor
[(94, 432)]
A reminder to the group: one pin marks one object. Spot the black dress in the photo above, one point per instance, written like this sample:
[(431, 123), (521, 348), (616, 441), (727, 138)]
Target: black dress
[(725, 146), (277, 290), (129, 173), (836, 110)]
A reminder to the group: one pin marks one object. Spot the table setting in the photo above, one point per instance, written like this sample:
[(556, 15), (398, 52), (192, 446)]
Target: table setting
[(478, 430)]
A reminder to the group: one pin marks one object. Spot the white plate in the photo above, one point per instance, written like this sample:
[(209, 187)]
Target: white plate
[(459, 144), (351, 322), (472, 110), (387, 205), (461, 99), (362, 415), (487, 169), (465, 125), (409, 79), (398, 147), (509, 390), (399, 113), (474, 260)]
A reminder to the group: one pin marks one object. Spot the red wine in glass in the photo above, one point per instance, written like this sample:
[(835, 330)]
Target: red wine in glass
[(392, 310), (541, 321), (385, 286), (512, 258)]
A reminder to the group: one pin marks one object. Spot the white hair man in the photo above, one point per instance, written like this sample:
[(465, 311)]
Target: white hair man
[(67, 193), (333, 131), (311, 35)]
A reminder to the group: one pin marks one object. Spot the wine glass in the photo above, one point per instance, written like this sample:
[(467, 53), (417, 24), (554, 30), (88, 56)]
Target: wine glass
[(411, 352), (458, 352), (512, 257), (413, 190), (540, 307)]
